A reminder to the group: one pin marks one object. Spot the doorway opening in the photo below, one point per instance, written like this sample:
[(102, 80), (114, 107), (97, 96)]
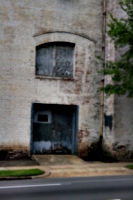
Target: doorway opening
[(54, 129)]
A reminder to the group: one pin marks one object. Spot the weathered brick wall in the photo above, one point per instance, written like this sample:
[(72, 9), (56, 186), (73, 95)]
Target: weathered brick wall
[(123, 118), (119, 139), (108, 118), (26, 24)]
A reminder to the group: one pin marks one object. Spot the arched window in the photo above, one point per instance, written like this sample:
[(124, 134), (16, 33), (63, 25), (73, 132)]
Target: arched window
[(55, 59)]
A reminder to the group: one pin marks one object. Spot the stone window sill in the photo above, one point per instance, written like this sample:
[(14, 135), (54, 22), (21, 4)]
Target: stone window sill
[(54, 78)]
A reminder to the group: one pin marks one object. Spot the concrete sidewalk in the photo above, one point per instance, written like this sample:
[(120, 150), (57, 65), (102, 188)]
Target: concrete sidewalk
[(95, 169), (72, 166)]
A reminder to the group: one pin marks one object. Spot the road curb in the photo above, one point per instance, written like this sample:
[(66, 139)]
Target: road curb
[(46, 174), (14, 178)]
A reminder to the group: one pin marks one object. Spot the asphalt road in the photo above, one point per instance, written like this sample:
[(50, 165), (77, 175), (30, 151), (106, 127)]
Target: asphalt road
[(89, 188)]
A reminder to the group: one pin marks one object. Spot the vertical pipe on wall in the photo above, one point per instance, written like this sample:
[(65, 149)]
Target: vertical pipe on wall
[(102, 79)]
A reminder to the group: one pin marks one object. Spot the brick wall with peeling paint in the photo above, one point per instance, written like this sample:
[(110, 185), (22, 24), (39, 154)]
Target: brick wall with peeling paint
[(26, 24)]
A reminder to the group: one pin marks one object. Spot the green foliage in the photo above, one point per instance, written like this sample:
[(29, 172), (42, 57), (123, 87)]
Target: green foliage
[(121, 33), (130, 166), (20, 173)]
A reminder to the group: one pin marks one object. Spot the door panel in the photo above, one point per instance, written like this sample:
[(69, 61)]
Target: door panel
[(55, 133)]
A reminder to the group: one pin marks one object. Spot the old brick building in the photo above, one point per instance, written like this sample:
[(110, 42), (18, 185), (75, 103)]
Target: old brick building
[(49, 81)]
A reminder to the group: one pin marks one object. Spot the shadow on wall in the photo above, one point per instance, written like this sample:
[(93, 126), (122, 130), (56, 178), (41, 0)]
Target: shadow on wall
[(108, 121), (3, 154), (13, 155), (98, 152)]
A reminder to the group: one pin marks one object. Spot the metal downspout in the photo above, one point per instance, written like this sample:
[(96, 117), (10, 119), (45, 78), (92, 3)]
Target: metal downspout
[(102, 79)]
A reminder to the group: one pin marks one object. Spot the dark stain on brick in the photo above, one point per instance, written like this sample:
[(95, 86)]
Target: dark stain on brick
[(80, 136), (88, 72), (108, 121), (86, 100)]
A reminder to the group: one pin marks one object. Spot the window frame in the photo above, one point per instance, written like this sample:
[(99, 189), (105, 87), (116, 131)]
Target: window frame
[(54, 45)]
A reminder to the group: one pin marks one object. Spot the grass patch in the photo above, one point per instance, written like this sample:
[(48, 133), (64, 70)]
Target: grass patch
[(20, 173), (130, 166)]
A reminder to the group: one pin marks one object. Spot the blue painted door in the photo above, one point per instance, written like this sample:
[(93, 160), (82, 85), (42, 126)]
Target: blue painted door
[(54, 129)]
